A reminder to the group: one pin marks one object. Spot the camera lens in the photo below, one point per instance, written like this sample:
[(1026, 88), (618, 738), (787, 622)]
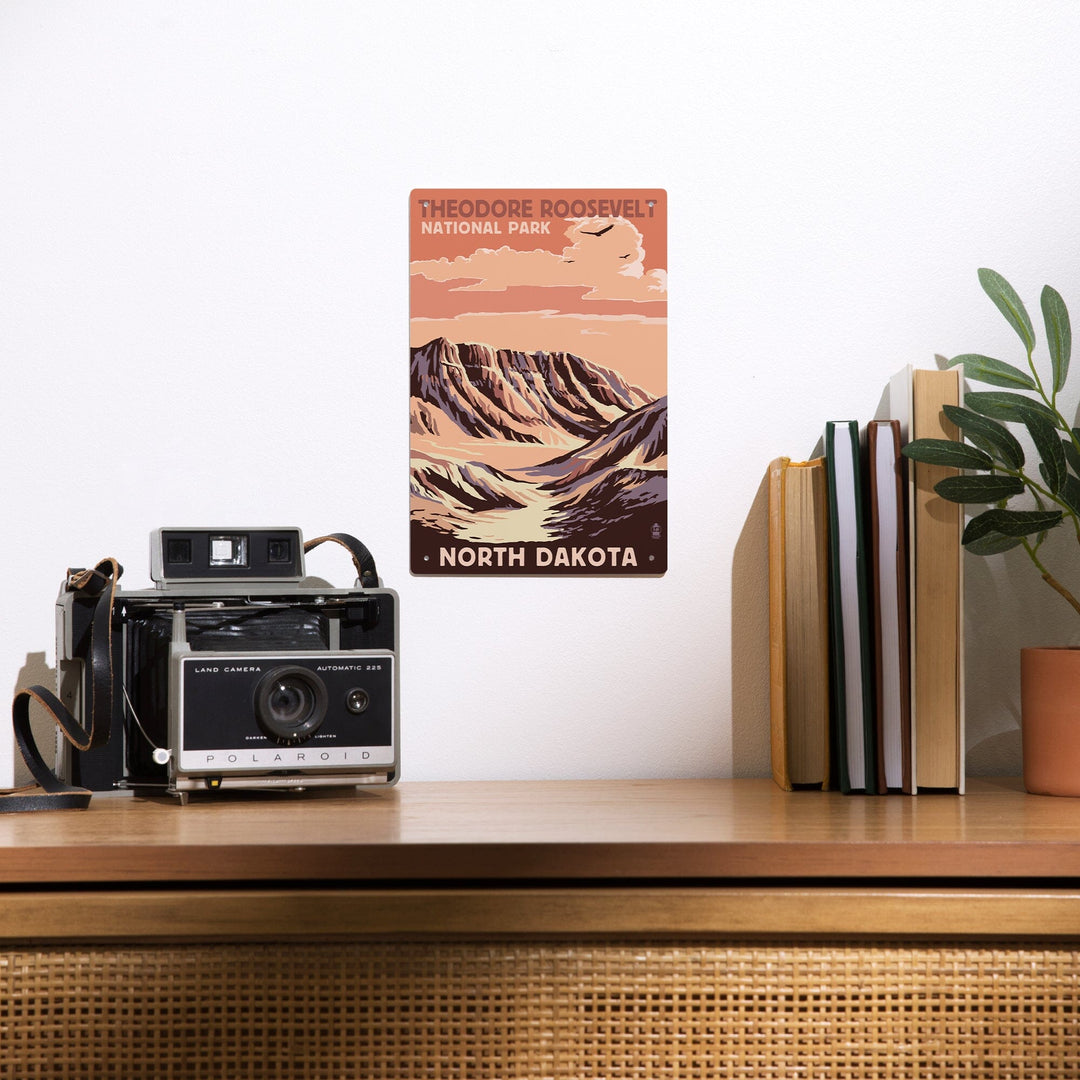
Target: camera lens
[(290, 704)]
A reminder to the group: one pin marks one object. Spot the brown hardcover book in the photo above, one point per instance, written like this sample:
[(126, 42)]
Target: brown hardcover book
[(889, 583), (937, 600), (798, 623)]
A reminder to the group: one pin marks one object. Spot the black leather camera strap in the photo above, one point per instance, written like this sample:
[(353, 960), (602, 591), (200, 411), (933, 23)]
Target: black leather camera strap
[(50, 792), (361, 557)]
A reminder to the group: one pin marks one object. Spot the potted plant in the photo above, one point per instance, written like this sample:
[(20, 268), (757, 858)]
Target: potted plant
[(999, 471)]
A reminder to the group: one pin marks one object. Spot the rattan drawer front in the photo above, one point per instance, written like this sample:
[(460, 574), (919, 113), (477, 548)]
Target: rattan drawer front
[(574, 1009)]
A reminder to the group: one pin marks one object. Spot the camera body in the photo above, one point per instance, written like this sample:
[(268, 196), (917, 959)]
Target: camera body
[(237, 671)]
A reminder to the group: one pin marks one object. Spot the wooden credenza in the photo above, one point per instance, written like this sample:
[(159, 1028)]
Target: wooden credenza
[(686, 928)]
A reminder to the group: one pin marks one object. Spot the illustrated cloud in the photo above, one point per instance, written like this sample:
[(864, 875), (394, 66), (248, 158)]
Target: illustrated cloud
[(604, 255)]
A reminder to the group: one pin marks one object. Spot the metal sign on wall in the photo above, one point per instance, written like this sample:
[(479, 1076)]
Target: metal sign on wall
[(538, 327)]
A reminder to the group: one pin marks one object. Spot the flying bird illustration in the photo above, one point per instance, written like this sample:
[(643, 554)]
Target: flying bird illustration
[(599, 232)]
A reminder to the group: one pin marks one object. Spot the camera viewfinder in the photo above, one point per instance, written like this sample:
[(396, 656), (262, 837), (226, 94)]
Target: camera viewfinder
[(228, 551), (262, 556)]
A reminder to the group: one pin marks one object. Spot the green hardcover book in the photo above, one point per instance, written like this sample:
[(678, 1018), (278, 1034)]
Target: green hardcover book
[(851, 642)]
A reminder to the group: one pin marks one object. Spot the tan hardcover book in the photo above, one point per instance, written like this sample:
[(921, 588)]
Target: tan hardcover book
[(798, 623), (937, 591)]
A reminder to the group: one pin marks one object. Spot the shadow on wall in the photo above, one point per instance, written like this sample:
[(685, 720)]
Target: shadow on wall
[(36, 671), (750, 641)]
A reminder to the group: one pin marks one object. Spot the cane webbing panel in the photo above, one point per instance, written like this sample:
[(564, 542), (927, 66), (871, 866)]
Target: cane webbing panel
[(550, 1009)]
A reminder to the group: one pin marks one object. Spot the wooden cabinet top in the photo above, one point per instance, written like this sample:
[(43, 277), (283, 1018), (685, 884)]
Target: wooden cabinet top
[(710, 831)]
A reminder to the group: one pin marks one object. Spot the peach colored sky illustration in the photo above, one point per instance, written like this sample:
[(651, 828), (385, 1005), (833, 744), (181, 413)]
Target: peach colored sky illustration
[(591, 291)]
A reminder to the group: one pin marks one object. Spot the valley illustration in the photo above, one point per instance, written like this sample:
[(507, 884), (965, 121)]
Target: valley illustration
[(538, 414)]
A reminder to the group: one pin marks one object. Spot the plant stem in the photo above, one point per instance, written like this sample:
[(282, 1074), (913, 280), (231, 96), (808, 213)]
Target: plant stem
[(1038, 381), (1050, 579), (1058, 587)]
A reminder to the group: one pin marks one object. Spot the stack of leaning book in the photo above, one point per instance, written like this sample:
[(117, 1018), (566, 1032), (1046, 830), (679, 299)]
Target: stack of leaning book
[(866, 641)]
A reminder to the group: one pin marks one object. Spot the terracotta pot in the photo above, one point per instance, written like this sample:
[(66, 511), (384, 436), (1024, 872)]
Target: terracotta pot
[(1050, 720)]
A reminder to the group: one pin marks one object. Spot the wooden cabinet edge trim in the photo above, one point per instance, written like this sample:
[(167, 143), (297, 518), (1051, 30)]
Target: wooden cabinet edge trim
[(337, 914)]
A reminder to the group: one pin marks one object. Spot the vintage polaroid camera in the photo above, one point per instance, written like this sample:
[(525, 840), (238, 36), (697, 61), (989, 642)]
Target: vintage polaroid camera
[(236, 670)]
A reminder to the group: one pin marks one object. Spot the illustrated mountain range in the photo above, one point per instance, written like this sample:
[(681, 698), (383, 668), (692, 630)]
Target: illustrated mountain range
[(593, 448)]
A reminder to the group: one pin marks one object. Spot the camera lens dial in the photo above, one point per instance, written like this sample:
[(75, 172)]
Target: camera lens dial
[(290, 704)]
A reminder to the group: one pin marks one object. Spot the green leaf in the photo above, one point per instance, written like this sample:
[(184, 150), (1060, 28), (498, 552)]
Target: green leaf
[(1009, 304), (979, 489), (1010, 523), (1048, 444), (1058, 333), (1070, 493), (996, 372), (947, 452), (1072, 455), (993, 544), (1001, 405), (996, 439)]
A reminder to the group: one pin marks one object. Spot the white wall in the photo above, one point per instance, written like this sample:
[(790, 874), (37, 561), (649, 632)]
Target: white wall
[(204, 307)]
